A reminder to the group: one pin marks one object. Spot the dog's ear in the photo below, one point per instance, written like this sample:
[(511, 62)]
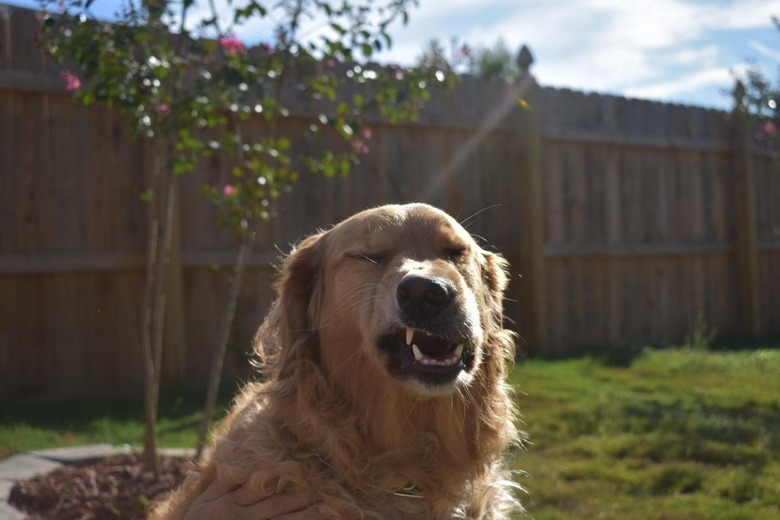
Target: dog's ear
[(496, 279), (300, 284), (294, 316), (495, 274)]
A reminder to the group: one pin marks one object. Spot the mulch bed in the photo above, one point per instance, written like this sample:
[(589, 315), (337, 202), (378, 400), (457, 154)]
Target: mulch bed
[(111, 488)]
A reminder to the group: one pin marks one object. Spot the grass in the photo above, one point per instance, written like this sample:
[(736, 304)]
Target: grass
[(116, 420), (675, 434), (662, 434)]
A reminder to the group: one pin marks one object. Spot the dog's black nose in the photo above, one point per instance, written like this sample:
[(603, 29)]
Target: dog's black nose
[(422, 297)]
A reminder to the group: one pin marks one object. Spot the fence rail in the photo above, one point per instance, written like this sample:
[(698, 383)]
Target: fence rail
[(625, 221)]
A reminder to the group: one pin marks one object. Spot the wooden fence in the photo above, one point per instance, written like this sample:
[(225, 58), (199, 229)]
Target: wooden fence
[(625, 222), (656, 216)]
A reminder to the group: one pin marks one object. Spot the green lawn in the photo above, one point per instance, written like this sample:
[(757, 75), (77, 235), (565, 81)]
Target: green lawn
[(114, 420), (678, 434), (673, 434)]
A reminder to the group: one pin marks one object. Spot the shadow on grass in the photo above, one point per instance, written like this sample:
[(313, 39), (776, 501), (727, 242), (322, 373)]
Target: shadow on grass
[(625, 356), (180, 409), (709, 435), (618, 357)]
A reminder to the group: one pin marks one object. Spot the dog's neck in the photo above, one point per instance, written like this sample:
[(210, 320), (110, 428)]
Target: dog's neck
[(403, 440)]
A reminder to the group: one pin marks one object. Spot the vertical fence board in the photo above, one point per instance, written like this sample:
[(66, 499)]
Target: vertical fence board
[(746, 240), (8, 138)]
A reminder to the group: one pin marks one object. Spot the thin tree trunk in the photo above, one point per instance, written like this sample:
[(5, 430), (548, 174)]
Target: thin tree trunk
[(151, 461), (154, 304), (228, 313), (163, 259)]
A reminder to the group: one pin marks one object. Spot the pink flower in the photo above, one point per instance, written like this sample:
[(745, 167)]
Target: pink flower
[(164, 108), (331, 63), (770, 128), (359, 146), (228, 190), (367, 133), (231, 44), (72, 82)]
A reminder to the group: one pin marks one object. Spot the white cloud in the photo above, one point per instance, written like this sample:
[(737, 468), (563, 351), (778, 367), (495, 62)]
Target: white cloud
[(435, 10), (765, 51), (664, 90), (742, 14), (663, 48), (696, 56)]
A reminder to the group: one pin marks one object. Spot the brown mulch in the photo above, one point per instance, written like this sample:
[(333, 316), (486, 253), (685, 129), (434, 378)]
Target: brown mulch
[(112, 488)]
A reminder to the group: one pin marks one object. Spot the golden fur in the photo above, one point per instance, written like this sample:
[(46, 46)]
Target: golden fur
[(335, 418)]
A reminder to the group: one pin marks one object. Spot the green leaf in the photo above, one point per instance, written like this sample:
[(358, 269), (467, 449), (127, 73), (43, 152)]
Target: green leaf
[(253, 8), (88, 97), (210, 46), (328, 164), (338, 28), (325, 6), (345, 166)]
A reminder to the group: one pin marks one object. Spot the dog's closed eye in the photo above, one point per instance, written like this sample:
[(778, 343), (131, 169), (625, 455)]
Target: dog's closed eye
[(374, 258), (454, 253)]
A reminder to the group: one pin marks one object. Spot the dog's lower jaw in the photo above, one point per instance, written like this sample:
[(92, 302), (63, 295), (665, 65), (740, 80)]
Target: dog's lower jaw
[(426, 364), (424, 390)]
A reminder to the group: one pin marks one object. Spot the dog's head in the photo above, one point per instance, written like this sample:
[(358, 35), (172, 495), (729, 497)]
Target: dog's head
[(401, 292)]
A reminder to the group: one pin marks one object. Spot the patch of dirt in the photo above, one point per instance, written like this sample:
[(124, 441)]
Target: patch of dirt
[(116, 487)]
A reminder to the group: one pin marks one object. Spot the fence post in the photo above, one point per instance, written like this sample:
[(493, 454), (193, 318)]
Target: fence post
[(528, 201), (746, 229)]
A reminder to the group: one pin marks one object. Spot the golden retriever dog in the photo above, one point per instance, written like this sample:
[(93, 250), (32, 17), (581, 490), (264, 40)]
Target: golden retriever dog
[(386, 394)]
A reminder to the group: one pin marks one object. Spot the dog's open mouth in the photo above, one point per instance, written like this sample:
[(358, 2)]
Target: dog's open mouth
[(429, 358)]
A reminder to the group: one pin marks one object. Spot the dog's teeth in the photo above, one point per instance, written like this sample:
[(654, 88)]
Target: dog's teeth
[(409, 335), (417, 354), (458, 350)]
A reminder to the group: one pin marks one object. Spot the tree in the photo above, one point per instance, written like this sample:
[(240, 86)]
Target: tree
[(188, 85), (759, 96), (433, 55), (495, 62), (487, 62)]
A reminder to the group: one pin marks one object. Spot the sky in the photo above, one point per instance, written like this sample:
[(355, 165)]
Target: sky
[(676, 51), (680, 51)]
